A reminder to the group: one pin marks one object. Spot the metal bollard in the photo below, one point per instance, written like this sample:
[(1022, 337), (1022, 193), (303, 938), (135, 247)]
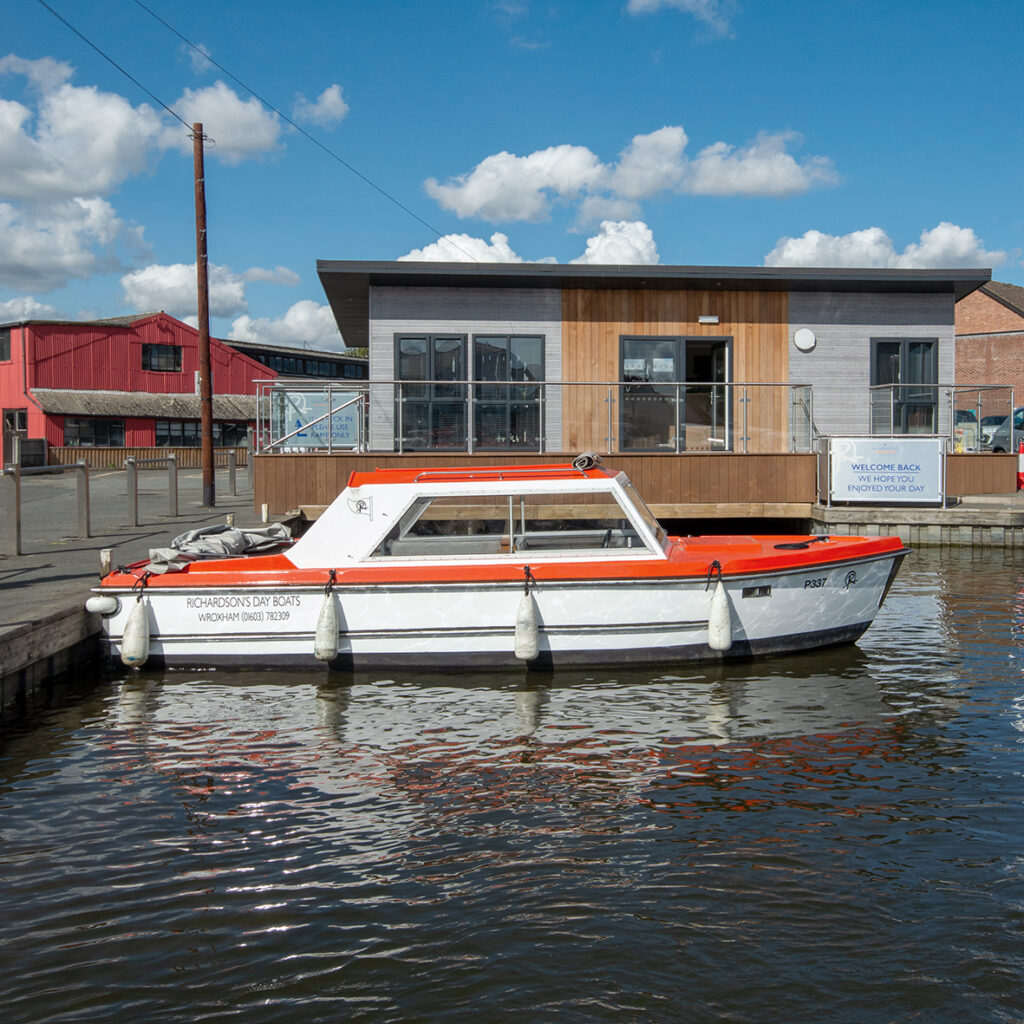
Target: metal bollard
[(12, 529), (132, 479), (232, 465), (82, 487), (172, 484)]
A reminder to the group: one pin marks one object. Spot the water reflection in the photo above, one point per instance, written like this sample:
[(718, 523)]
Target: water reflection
[(830, 835)]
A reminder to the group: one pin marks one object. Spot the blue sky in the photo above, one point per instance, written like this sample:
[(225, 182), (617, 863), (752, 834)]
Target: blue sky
[(694, 132)]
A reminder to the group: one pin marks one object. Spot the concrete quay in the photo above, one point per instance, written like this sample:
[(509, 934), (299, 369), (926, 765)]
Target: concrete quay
[(46, 636), (983, 521)]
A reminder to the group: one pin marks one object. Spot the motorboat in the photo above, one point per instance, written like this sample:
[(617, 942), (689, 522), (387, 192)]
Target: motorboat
[(490, 566)]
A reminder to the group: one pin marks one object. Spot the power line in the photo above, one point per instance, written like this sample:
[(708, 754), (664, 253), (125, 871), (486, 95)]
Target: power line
[(156, 99), (298, 128)]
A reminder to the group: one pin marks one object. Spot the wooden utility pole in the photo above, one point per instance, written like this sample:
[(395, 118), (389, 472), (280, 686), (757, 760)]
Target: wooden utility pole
[(203, 289)]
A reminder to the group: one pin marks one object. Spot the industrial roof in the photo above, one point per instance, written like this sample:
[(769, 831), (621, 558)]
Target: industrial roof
[(347, 283), (110, 321), (309, 353), (139, 403)]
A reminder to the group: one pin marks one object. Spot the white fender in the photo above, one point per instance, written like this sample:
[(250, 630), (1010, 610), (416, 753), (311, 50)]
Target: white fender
[(103, 604), (720, 620), (325, 640), (135, 639), (527, 631)]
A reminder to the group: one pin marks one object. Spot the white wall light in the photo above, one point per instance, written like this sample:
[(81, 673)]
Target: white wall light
[(804, 339), (709, 319)]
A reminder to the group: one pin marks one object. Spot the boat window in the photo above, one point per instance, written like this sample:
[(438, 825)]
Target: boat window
[(474, 525), (645, 513)]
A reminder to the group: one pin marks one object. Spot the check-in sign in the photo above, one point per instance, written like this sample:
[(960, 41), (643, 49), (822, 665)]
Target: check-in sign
[(886, 471), (304, 415)]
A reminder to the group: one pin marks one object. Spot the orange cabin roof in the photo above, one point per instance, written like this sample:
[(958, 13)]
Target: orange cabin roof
[(469, 474)]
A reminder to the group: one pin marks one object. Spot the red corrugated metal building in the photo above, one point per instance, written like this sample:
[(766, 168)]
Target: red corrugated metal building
[(124, 382)]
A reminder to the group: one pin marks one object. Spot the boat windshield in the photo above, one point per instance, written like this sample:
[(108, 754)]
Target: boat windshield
[(645, 513), (507, 524)]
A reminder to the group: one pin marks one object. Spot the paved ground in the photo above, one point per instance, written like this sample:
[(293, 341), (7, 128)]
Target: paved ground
[(57, 569)]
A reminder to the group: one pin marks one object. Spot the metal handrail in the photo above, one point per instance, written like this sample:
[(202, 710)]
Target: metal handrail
[(734, 436), (131, 465), (12, 484)]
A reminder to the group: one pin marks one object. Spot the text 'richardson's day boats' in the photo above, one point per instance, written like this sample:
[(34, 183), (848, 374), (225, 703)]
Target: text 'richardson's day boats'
[(545, 565)]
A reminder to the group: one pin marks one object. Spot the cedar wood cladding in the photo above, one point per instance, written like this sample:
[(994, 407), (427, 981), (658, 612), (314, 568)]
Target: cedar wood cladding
[(594, 321)]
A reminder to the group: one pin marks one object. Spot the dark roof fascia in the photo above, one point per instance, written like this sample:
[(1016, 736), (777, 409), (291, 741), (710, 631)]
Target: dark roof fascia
[(347, 282)]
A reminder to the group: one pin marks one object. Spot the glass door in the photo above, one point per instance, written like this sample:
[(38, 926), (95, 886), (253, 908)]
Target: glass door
[(650, 370), (905, 371), (706, 411)]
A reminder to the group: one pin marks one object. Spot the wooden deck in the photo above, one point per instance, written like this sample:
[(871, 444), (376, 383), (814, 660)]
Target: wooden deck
[(706, 485)]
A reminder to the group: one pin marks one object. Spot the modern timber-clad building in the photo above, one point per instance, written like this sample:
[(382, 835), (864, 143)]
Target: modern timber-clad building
[(709, 385)]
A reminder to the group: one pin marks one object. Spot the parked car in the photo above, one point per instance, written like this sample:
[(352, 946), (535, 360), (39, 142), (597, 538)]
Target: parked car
[(1001, 438), (988, 428)]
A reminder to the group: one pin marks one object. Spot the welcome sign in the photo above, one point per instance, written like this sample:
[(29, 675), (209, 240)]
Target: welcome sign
[(884, 471)]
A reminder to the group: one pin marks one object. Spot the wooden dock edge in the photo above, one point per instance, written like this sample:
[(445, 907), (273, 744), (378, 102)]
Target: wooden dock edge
[(37, 656)]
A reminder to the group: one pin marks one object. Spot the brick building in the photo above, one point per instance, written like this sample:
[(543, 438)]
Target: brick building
[(990, 338)]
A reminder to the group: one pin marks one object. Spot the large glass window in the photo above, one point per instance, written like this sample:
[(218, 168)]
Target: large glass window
[(5, 344), (674, 394), (431, 415), (904, 372), (188, 434), (93, 432), (163, 358), (507, 406), (506, 370), (540, 524)]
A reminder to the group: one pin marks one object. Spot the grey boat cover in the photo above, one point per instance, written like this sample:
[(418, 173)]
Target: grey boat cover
[(215, 542)]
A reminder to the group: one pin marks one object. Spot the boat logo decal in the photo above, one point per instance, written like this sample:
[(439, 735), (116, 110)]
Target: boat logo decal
[(851, 578), (362, 507)]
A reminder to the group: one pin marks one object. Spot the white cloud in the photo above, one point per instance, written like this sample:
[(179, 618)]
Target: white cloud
[(46, 245), (26, 308), (466, 249), (46, 74), (626, 242), (650, 164), (306, 322), (763, 168), (78, 142), (328, 110), (279, 275), (946, 245), (173, 289), (716, 14), (621, 242), (240, 129), (949, 245), (508, 187), (594, 209), (199, 57)]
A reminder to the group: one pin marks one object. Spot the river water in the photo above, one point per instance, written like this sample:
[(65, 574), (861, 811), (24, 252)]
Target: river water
[(836, 837)]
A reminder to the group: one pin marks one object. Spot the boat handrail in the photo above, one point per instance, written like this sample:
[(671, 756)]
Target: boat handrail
[(505, 473)]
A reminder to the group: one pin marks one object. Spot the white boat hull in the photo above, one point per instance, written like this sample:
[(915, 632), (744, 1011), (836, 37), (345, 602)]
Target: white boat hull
[(469, 625)]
